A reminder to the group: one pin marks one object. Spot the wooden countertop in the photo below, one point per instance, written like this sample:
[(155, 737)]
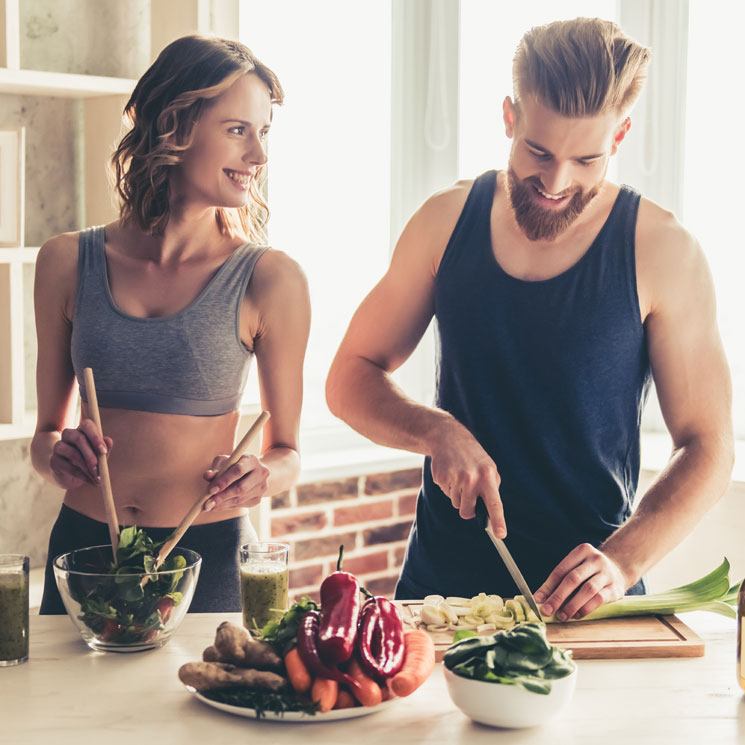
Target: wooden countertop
[(68, 694)]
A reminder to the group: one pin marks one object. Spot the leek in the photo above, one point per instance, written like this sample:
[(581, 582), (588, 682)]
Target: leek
[(490, 612), (709, 593)]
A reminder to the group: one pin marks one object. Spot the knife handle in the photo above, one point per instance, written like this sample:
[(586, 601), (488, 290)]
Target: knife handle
[(482, 515)]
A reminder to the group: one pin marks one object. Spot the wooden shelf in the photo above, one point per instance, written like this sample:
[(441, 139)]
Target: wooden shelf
[(61, 85), (99, 114)]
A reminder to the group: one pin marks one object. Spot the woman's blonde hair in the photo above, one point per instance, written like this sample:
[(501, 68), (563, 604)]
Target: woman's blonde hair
[(581, 67), (162, 110)]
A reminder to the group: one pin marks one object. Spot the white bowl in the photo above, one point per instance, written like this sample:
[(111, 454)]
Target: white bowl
[(501, 705)]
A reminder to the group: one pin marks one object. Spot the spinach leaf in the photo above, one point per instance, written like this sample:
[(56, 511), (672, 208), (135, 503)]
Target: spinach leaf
[(522, 656)]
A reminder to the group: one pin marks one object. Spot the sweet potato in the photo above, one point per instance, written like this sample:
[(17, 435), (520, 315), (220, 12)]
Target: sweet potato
[(205, 676), (234, 645)]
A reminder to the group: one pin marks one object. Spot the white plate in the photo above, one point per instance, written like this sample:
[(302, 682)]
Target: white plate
[(296, 716)]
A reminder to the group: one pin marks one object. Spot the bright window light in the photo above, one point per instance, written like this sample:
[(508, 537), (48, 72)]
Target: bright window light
[(329, 159), (489, 35), (714, 169)]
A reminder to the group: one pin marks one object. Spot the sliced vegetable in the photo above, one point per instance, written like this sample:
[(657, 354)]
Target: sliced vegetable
[(489, 612)]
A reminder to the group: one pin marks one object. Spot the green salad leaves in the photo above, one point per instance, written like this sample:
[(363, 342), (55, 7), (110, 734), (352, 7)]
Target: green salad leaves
[(522, 656), (121, 609)]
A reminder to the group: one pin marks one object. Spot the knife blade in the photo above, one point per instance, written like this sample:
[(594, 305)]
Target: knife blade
[(506, 556)]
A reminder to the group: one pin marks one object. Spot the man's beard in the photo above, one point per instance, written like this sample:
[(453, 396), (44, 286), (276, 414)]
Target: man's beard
[(543, 224)]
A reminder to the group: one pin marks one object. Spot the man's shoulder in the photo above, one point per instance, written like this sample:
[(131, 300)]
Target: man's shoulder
[(669, 259), (448, 202), (659, 232)]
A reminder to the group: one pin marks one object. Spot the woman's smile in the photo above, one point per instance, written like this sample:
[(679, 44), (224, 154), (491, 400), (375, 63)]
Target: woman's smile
[(240, 178)]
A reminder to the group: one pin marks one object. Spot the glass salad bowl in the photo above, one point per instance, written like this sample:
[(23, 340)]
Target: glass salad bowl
[(125, 609)]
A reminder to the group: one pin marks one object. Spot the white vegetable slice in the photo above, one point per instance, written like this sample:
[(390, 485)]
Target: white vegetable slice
[(432, 615), (516, 609), (454, 600), (486, 627), (448, 613), (433, 599), (437, 627)]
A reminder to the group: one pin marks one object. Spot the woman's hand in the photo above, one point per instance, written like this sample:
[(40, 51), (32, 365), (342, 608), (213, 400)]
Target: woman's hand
[(74, 459), (242, 485)]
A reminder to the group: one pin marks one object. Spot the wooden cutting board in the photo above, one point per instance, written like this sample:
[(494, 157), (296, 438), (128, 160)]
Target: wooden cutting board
[(605, 639)]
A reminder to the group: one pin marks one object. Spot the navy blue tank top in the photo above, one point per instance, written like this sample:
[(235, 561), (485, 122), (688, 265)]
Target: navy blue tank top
[(551, 378)]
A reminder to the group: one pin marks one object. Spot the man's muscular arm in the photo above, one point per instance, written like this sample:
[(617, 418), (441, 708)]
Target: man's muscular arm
[(382, 335), (694, 390)]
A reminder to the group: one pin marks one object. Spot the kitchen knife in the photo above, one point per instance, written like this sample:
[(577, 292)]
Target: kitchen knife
[(483, 516)]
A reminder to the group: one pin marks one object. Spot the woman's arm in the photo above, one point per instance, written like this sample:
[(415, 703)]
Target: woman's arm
[(275, 322), (63, 456)]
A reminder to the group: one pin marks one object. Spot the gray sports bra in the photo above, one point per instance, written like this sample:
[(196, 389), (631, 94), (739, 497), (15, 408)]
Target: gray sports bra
[(192, 362)]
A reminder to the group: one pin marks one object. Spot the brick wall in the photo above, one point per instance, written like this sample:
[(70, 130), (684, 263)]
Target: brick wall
[(371, 515)]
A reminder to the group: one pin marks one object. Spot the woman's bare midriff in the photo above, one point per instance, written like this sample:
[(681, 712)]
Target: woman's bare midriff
[(157, 466)]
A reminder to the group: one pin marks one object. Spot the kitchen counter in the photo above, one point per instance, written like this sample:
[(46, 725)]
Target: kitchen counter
[(66, 694)]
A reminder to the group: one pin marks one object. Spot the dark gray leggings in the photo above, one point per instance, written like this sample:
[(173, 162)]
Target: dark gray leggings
[(218, 589)]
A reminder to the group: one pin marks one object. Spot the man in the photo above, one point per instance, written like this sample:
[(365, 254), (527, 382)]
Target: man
[(557, 295)]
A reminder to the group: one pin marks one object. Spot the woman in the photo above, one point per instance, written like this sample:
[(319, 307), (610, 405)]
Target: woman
[(167, 305)]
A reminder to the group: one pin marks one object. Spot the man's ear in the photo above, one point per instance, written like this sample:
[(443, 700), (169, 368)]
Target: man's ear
[(509, 114), (620, 134)]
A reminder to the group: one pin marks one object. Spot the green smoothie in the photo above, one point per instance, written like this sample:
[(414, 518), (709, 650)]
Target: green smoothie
[(13, 617), (265, 592)]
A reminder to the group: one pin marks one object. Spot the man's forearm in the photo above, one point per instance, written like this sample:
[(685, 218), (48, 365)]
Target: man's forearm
[(368, 400), (695, 478)]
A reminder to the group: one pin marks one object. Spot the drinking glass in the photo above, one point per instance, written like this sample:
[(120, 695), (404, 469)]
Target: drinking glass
[(13, 609), (265, 581)]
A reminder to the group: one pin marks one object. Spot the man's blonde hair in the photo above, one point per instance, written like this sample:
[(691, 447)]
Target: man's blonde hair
[(582, 67)]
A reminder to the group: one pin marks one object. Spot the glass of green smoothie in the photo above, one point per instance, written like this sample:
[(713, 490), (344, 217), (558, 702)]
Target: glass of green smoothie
[(13, 609), (265, 582)]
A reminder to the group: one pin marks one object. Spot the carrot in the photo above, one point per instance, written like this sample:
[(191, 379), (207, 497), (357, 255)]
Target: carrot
[(419, 662), (345, 700), (297, 672), (324, 692), (367, 691)]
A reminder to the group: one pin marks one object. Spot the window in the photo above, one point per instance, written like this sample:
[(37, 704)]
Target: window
[(714, 166), (329, 160), (488, 39)]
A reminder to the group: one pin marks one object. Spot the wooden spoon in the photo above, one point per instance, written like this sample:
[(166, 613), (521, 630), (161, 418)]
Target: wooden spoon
[(196, 508), (103, 464)]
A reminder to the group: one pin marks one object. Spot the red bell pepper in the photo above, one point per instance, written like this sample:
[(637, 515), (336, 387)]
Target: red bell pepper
[(381, 638), (340, 610), (307, 647)]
